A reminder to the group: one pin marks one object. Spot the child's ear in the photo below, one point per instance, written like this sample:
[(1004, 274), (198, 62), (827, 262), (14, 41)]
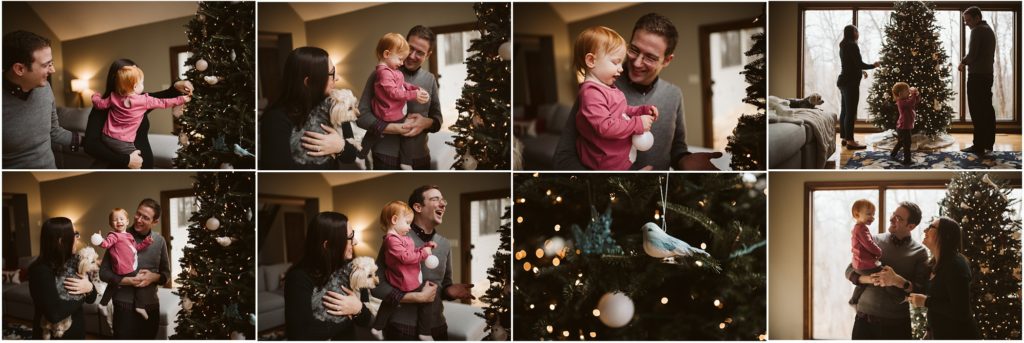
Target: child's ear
[(395, 219), (590, 59), (386, 54)]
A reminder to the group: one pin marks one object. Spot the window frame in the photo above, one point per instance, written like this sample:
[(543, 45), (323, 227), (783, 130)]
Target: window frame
[(960, 124)]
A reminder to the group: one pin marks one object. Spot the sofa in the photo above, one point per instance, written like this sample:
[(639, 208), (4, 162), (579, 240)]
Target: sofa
[(463, 323), (540, 135), (799, 138), (17, 303), (75, 119)]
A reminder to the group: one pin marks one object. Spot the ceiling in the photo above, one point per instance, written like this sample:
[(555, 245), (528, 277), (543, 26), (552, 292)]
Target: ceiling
[(317, 10), (338, 179), (576, 11), (72, 19), (50, 176)]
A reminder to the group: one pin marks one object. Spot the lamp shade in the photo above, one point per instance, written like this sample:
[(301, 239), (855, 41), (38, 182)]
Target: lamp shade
[(79, 85)]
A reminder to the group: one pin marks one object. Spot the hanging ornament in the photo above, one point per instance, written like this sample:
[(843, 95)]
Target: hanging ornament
[(937, 105), (240, 151), (643, 141), (232, 55), (201, 17), (431, 262), (554, 245), (183, 139), (225, 241), (616, 309), (252, 319), (201, 65), (248, 214), (213, 224), (658, 244), (477, 120), (505, 51), (211, 80), (498, 332), (226, 165), (235, 335), (469, 162), (749, 179)]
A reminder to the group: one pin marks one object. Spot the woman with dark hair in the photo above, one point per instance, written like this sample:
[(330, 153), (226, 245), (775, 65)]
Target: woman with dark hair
[(949, 295), (306, 81), (849, 84), (107, 158), (329, 247), (56, 247)]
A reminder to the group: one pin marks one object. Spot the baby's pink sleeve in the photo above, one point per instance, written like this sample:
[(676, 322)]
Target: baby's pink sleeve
[(152, 102), (99, 102), (865, 241), (144, 244), (394, 88), (109, 241), (641, 110), (405, 254), (594, 108)]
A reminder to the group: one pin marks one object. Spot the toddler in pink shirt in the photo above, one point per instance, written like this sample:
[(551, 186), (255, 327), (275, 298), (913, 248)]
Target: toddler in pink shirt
[(391, 92), (906, 99), (865, 251), (403, 259), (127, 107), (121, 246), (605, 122)]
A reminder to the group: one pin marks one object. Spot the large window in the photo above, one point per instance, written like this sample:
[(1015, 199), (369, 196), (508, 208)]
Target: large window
[(822, 29), (829, 237)]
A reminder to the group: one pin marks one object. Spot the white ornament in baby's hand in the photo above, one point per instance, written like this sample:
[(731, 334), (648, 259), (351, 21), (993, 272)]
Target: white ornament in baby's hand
[(96, 239), (431, 262), (643, 141)]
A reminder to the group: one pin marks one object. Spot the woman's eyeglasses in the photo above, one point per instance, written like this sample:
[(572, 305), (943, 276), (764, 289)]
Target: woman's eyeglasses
[(78, 235)]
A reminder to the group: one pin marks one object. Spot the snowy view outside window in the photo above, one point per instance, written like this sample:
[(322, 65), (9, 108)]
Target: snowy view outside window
[(730, 87)]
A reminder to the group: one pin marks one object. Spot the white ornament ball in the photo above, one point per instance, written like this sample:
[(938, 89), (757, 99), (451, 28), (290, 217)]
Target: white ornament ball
[(431, 262), (201, 65), (224, 241), (213, 224), (226, 165), (211, 80), (498, 333), (469, 162), (232, 55), (505, 51), (96, 239), (183, 139), (643, 141), (554, 245), (616, 309), (235, 335), (252, 319)]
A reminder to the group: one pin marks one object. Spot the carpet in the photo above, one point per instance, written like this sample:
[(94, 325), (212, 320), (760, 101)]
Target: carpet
[(950, 160), (19, 331)]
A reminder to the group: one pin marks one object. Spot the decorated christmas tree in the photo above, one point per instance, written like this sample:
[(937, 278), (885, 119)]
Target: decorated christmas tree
[(991, 243), (482, 130), (218, 300), (747, 142), (217, 128), (912, 52), (498, 296), (591, 260)]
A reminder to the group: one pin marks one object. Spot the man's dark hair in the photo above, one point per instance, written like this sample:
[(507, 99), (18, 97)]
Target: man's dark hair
[(19, 46), (659, 25), (417, 194), (974, 11), (152, 204), (915, 212), (422, 32)]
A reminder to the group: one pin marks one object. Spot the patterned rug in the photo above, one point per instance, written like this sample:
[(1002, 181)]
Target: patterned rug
[(19, 331), (273, 335), (935, 160)]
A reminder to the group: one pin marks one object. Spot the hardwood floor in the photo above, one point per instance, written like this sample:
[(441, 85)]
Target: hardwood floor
[(1004, 142)]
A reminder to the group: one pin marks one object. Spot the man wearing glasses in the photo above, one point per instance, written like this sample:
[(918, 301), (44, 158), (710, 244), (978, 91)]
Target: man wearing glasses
[(428, 205), (649, 51), (421, 118), (882, 311), (29, 110)]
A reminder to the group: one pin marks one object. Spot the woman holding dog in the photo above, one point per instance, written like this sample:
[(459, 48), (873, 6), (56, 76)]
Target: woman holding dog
[(306, 81), (849, 84), (56, 246)]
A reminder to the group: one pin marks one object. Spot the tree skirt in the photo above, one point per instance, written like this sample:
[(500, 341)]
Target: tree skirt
[(935, 160), (886, 140), (17, 331)]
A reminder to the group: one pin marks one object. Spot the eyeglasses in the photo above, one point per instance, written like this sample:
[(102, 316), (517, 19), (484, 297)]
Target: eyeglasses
[(351, 236), (333, 74), (648, 59), (417, 53), (898, 218), (78, 235), (439, 199)]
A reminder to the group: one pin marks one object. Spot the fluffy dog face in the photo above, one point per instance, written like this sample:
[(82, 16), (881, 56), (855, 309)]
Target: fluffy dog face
[(364, 273), (346, 107), (815, 99), (88, 261)]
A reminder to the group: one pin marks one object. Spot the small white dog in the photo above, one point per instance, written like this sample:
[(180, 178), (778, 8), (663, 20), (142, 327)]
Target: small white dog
[(85, 264), (360, 274), (340, 107)]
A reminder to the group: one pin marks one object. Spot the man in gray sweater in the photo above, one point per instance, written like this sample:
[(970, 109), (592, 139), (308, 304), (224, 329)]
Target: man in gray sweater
[(154, 270), (882, 312), (650, 50), (428, 206), (29, 110), (412, 132), (978, 62)]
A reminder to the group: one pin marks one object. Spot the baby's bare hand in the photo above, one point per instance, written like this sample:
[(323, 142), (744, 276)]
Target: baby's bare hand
[(647, 121)]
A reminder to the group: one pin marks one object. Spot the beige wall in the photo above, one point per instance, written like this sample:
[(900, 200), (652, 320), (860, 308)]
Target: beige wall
[(782, 52), (19, 16), (87, 199), (148, 45), (362, 202), (541, 19), (307, 185), (25, 183), (279, 17), (351, 38), (786, 237)]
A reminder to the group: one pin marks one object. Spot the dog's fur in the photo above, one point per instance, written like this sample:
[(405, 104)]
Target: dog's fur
[(340, 107), (808, 102), (85, 264), (360, 274)]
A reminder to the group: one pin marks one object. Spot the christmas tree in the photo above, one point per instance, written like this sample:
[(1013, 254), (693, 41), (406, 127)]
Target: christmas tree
[(747, 143), (582, 271), (218, 299), (482, 130), (913, 53), (218, 126), (991, 243), (497, 297)]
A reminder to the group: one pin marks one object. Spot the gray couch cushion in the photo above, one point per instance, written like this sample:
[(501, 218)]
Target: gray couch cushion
[(786, 142), (73, 118), (269, 301), (272, 275)]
